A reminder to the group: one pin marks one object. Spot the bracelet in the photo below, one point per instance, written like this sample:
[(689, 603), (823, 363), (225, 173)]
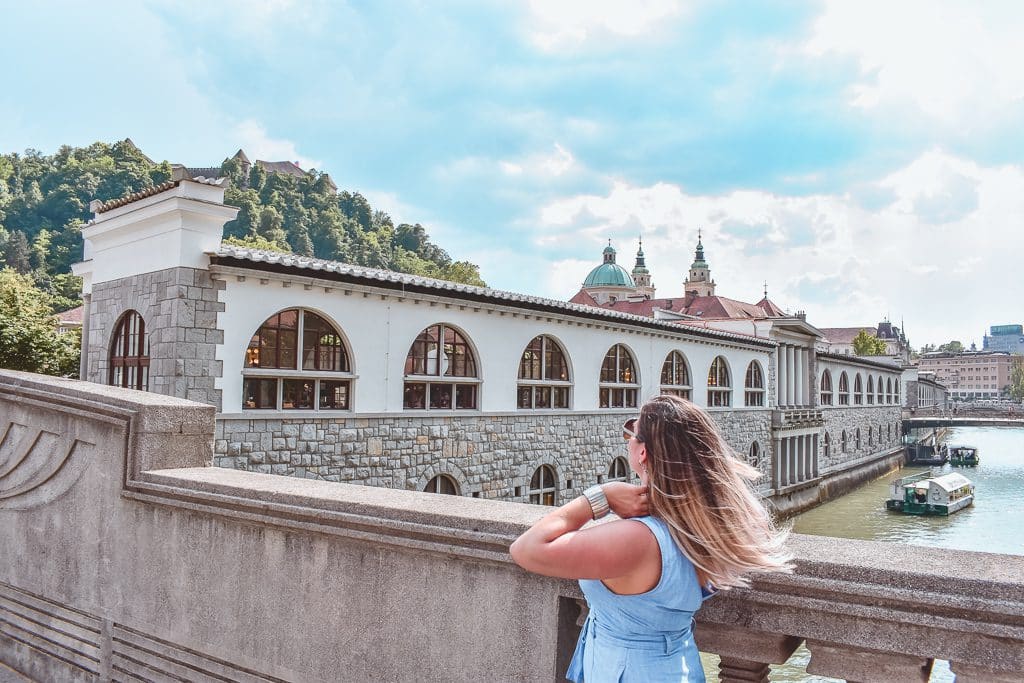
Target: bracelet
[(598, 501)]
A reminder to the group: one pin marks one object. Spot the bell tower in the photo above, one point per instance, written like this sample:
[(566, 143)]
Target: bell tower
[(642, 276), (699, 282)]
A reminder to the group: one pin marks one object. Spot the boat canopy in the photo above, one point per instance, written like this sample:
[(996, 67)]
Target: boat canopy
[(951, 482)]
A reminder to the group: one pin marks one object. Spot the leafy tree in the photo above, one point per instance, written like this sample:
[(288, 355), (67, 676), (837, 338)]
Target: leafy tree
[(928, 348), (17, 254), (28, 331), (865, 344), (256, 242), (1016, 388), (952, 347)]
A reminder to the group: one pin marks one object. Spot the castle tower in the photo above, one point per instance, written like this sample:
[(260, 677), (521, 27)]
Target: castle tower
[(642, 276), (699, 282)]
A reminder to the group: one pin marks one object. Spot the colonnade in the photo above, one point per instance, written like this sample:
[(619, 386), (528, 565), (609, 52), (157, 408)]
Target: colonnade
[(797, 459), (792, 380)]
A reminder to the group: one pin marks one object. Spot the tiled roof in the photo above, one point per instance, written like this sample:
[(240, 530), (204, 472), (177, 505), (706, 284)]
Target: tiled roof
[(870, 361), (286, 167), (149, 192), (71, 316), (844, 335), (697, 306), (232, 255)]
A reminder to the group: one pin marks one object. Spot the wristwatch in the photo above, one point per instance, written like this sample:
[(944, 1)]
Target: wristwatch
[(598, 501)]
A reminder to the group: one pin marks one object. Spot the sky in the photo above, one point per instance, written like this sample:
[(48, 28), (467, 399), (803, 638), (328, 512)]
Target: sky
[(864, 159)]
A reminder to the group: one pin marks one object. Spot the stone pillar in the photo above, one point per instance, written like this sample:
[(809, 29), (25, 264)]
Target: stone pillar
[(798, 376), (777, 463), (83, 363), (814, 455), (790, 375), (745, 653), (784, 462), (780, 379), (801, 473)]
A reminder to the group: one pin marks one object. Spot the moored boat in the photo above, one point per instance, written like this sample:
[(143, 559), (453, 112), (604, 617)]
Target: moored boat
[(923, 494), (925, 454), (962, 456)]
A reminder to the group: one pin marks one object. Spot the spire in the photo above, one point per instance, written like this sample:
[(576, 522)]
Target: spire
[(609, 253), (765, 289), (699, 256), (640, 256)]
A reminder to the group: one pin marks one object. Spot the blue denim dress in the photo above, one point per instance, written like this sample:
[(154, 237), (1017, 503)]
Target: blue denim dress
[(647, 637)]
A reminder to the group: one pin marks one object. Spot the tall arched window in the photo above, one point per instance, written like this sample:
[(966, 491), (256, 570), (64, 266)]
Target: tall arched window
[(129, 353), (843, 442), (826, 388), (896, 384), (856, 440), (618, 470), (858, 390), (282, 373), (543, 375), (442, 483), (753, 385), (719, 384), (754, 454), (619, 381), (828, 445), (844, 389), (871, 390), (888, 390), (440, 371), (543, 486), (880, 388), (871, 436), (675, 376)]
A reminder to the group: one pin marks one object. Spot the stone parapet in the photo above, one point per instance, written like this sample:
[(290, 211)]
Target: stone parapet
[(123, 555)]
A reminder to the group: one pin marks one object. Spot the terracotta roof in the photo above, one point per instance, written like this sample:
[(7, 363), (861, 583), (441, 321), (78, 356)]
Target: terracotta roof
[(583, 298), (71, 316), (242, 257), (771, 308), (697, 306), (286, 167), (148, 192), (844, 335)]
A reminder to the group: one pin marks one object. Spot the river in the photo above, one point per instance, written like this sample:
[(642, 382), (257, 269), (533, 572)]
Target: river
[(995, 523)]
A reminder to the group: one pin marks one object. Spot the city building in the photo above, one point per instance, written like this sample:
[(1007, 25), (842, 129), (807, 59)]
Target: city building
[(1009, 338), (840, 340), (923, 391), (327, 370), (970, 375)]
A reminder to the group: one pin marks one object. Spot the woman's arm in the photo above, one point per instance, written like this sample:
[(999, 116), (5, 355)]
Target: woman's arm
[(557, 545)]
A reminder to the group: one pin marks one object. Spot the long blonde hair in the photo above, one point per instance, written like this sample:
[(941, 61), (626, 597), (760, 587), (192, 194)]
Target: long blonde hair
[(702, 491)]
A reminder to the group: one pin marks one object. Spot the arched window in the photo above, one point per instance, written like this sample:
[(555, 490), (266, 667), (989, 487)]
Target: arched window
[(675, 376), (844, 389), (871, 436), (440, 371), (826, 388), (843, 443), (543, 375), (856, 440), (828, 445), (888, 433), (871, 390), (753, 386), (880, 391), (282, 373), (129, 353), (888, 390), (896, 384), (618, 470), (754, 454), (619, 381), (543, 486), (719, 384), (442, 483), (858, 390)]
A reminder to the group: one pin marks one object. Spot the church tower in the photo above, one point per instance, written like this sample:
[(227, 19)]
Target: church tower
[(642, 276), (699, 283)]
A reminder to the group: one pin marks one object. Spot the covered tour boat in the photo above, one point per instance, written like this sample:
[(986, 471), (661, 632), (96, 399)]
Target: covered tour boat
[(962, 456), (922, 494)]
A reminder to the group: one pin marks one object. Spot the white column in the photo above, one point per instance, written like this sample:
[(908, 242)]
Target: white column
[(780, 375), (800, 473), (790, 378), (814, 456), (801, 376), (777, 465), (784, 462)]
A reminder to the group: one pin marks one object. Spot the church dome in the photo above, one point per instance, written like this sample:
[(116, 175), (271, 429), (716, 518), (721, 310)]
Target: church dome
[(609, 275)]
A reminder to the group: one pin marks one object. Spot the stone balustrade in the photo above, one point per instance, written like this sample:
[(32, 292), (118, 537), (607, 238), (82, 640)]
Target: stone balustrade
[(125, 556), (787, 418)]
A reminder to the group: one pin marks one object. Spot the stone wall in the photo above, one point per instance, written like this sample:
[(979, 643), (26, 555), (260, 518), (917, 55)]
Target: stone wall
[(489, 456), (851, 419), (179, 307)]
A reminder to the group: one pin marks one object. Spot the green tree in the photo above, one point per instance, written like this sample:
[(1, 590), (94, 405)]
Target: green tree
[(17, 253), (952, 347), (1016, 388), (865, 344), (256, 242), (28, 331)]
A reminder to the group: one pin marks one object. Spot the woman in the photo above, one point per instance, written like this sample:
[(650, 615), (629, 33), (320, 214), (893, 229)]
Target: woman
[(692, 526)]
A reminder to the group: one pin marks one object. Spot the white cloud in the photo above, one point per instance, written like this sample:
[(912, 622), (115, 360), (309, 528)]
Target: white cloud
[(843, 263), (540, 166), (565, 25), (253, 138), (953, 61)]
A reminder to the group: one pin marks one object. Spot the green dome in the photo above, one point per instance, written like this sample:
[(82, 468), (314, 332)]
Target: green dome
[(609, 275)]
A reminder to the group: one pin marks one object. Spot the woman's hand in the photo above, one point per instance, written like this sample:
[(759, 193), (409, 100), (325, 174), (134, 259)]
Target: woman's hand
[(626, 500)]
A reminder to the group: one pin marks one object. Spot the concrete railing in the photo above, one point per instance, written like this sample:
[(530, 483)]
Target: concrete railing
[(789, 418), (123, 556)]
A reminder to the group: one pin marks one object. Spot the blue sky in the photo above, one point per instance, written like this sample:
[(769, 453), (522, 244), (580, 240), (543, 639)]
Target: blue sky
[(865, 159)]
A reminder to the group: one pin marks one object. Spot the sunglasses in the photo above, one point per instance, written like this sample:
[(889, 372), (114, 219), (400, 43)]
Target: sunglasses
[(629, 429)]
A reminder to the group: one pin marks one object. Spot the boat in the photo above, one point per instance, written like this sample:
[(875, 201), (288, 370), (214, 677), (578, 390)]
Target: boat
[(962, 456), (923, 494), (925, 454)]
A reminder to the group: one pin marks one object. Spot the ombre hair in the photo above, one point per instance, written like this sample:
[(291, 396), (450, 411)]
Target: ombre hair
[(703, 492)]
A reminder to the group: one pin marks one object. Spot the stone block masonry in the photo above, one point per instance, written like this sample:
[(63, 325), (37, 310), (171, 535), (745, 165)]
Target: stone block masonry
[(179, 307), (489, 456), (880, 431)]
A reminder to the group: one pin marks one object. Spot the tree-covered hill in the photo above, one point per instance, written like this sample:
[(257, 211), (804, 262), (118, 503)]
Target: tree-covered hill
[(44, 202)]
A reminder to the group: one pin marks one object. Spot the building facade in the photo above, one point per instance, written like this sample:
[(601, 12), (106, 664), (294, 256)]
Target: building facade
[(970, 375), (327, 370), (1009, 338)]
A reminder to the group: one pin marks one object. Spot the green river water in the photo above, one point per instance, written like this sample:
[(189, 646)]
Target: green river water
[(995, 523)]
